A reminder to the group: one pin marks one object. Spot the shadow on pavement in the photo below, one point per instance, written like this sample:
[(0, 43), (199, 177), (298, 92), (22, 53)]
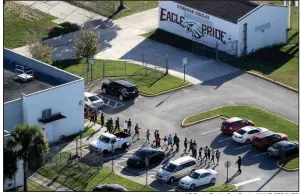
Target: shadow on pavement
[(273, 176), (162, 187), (220, 141), (197, 189), (233, 148)]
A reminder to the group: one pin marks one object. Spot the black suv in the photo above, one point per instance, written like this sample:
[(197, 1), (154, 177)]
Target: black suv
[(121, 88)]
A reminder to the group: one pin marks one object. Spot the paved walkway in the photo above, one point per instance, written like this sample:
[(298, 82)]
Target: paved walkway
[(120, 39), (48, 183)]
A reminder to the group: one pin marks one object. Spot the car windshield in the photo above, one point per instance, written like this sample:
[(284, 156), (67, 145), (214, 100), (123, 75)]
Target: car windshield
[(169, 167), (104, 139), (276, 146), (225, 124), (131, 89), (241, 132), (194, 175), (93, 98), (142, 153)]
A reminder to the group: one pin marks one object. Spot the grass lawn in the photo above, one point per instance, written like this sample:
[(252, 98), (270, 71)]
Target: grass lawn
[(290, 163), (86, 132), (148, 81), (258, 116), (19, 19), (34, 186), (108, 8), (219, 188), (279, 63), (74, 179)]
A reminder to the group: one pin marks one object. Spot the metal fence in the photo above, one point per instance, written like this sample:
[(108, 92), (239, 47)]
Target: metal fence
[(217, 51)]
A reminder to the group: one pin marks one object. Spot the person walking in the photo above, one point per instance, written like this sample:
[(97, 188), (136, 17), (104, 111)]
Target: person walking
[(170, 141), (194, 151), (191, 146), (185, 143), (117, 125), (157, 141), (129, 126), (165, 142), (147, 135), (213, 155), (107, 126), (176, 142), (111, 125), (92, 116), (218, 156), (136, 131), (200, 153), (95, 116), (102, 120), (208, 154), (205, 153), (239, 163), (125, 127)]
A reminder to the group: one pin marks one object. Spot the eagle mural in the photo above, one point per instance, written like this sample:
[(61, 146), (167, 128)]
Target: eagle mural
[(192, 27)]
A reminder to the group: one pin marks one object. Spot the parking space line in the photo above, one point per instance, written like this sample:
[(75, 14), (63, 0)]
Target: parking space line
[(243, 147), (119, 161), (209, 131), (247, 182), (260, 154), (225, 139)]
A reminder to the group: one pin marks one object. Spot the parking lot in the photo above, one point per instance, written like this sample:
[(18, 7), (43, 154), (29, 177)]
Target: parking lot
[(256, 165)]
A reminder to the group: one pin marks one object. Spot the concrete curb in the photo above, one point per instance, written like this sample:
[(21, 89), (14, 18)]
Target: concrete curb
[(286, 169), (236, 188), (171, 90), (224, 116), (273, 81)]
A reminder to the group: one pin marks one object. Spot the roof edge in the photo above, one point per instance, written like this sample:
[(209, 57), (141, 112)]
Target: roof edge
[(249, 13)]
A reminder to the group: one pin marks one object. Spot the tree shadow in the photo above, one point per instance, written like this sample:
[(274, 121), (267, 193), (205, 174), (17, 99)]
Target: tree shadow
[(62, 29)]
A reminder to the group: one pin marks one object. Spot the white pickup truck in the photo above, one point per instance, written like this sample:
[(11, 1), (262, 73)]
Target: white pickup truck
[(105, 141)]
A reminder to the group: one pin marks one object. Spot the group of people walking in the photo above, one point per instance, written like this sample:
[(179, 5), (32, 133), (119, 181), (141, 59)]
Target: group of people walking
[(204, 154), (208, 154)]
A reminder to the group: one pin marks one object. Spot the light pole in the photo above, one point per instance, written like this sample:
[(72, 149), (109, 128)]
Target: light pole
[(184, 62), (147, 164), (112, 160)]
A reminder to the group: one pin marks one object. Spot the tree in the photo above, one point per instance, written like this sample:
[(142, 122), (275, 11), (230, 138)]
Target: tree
[(37, 49), (121, 6), (10, 163), (41, 52), (86, 46), (29, 143)]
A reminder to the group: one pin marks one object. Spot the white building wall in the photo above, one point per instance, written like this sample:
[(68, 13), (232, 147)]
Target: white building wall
[(274, 21), (64, 99), (180, 21), (17, 180)]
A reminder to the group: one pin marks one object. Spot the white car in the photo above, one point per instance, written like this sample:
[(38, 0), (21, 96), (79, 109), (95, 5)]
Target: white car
[(246, 134), (198, 178), (93, 101)]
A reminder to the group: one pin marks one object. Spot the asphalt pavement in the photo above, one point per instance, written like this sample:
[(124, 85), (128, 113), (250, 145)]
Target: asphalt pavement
[(166, 113)]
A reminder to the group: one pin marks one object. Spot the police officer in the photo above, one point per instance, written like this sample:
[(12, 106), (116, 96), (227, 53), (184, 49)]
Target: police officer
[(239, 163), (176, 142), (213, 155), (102, 119), (117, 125), (218, 156), (208, 153), (191, 146)]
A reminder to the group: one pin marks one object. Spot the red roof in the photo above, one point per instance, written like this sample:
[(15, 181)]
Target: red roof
[(233, 119)]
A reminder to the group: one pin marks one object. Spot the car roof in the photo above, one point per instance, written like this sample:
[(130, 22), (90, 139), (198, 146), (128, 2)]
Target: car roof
[(182, 160), (88, 94), (125, 83), (109, 135), (201, 171), (262, 128), (147, 149), (233, 119), (248, 128), (265, 134), (283, 143)]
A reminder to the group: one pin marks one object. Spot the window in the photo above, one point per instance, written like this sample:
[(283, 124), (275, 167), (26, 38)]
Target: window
[(113, 141), (204, 175), (46, 113), (85, 99)]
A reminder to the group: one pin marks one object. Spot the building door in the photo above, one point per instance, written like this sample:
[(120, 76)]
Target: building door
[(56, 131), (49, 132), (245, 38)]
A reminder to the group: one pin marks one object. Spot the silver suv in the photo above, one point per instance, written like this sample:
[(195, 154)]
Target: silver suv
[(176, 169)]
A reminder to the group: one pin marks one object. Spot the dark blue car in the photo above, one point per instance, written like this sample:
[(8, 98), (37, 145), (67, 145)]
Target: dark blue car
[(284, 149)]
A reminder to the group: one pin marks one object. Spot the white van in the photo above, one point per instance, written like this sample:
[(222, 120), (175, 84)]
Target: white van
[(176, 169)]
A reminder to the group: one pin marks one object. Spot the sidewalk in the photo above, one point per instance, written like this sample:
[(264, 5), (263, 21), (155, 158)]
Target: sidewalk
[(48, 183)]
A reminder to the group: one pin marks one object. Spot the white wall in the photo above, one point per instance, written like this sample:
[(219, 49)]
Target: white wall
[(17, 180), (277, 16), (179, 26), (64, 99)]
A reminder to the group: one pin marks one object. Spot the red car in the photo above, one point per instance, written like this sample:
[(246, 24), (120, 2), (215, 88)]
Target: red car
[(265, 140), (233, 124)]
